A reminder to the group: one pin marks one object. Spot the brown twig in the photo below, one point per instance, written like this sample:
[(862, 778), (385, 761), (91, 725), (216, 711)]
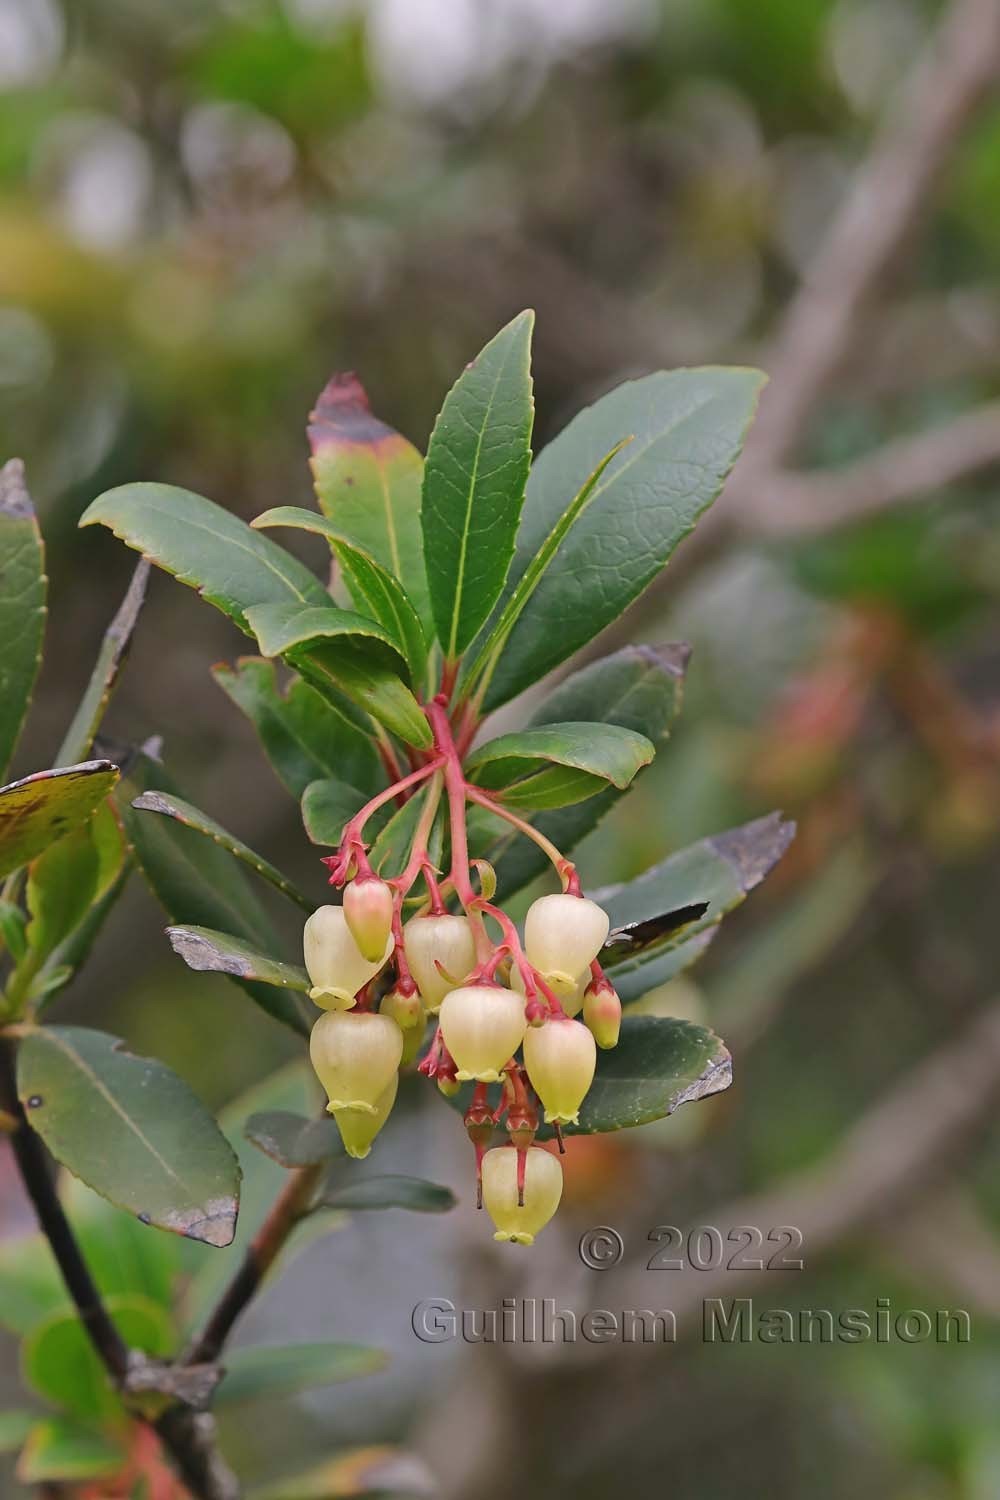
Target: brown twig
[(188, 1436), (288, 1209)]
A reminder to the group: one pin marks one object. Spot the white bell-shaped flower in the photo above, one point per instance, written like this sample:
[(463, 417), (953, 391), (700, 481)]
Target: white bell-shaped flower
[(368, 913), (483, 1026), (560, 1056), (563, 935), (358, 1128), (446, 940), (355, 1055), (543, 1181), (336, 965)]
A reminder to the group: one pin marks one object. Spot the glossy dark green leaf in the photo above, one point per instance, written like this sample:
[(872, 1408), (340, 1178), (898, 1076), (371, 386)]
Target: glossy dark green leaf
[(199, 883), (474, 477), (688, 427), (374, 590), (42, 808), (61, 1450), (205, 546), (269, 1372), (388, 1192), (601, 752), (111, 656), (60, 1363), (720, 870), (169, 806), (131, 1129), (665, 964), (339, 650), (488, 651), (327, 805), (368, 481), (220, 953), (293, 1141), (22, 604), (638, 687), (306, 736)]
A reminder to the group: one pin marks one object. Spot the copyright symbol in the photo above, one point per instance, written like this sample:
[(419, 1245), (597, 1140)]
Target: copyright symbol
[(601, 1248)]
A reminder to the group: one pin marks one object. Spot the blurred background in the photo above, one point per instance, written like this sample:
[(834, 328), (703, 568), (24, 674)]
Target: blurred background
[(205, 209)]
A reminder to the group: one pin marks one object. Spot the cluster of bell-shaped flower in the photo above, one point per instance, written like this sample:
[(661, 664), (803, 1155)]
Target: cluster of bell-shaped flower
[(378, 981)]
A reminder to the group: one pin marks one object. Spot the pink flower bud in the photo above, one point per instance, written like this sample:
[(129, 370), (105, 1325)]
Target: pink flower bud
[(336, 966), (358, 1128), (431, 941), (355, 1055), (368, 912), (560, 1057), (602, 1012), (483, 1026), (562, 936), (542, 1191)]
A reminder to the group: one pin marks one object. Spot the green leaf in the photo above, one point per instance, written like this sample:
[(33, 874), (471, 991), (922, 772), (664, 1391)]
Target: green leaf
[(199, 883), (388, 1192), (218, 952), (328, 805), (373, 589), (688, 428), (190, 817), (305, 736), (14, 1428), (22, 604), (205, 546), (639, 688), (583, 758), (390, 851), (41, 808), (358, 1473), (61, 1450), (323, 645), (293, 1141), (60, 1363), (489, 653), (270, 1372), (131, 1129), (474, 477), (720, 870), (368, 482), (12, 928), (62, 882), (110, 659)]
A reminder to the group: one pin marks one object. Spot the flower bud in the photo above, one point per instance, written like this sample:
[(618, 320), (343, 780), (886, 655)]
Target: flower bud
[(446, 940), (483, 1026), (542, 1191), (368, 913), (560, 1056), (405, 1009), (336, 966), (562, 936), (358, 1128), (355, 1055), (571, 1004), (602, 1012), (449, 1087)]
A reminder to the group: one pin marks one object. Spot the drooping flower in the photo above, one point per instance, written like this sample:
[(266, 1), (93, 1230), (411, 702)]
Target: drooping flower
[(543, 1182), (368, 913), (446, 940), (560, 1056), (336, 966), (355, 1055), (358, 1128), (563, 934), (483, 1026)]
